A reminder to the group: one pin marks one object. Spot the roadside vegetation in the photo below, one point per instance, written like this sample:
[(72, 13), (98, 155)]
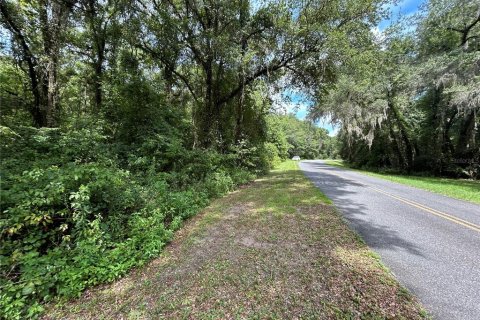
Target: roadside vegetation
[(411, 103), (274, 249), (463, 189), (82, 207), (115, 128)]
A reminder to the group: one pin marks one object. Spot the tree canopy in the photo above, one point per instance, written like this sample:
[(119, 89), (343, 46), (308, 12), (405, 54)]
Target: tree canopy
[(119, 119), (411, 101)]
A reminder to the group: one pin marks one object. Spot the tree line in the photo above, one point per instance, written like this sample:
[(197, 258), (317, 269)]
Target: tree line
[(411, 101), (207, 58)]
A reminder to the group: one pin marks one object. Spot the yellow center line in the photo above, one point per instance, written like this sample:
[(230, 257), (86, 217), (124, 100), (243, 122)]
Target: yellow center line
[(431, 210), (435, 212)]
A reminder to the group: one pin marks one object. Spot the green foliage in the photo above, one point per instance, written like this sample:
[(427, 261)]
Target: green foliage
[(217, 184), (293, 137), (73, 218), (410, 102), (271, 154)]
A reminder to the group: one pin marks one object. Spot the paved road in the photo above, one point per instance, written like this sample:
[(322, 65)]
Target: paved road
[(430, 242)]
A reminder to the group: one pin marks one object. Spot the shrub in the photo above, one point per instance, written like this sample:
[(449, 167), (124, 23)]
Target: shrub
[(217, 184), (73, 217), (241, 176), (270, 155)]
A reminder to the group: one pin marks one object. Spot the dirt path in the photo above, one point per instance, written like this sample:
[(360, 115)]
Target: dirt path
[(275, 249)]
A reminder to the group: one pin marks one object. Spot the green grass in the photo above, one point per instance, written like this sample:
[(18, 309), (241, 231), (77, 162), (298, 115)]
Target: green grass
[(463, 189), (274, 249)]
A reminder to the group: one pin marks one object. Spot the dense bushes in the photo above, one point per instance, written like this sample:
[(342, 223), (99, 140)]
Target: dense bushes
[(76, 211), (84, 203)]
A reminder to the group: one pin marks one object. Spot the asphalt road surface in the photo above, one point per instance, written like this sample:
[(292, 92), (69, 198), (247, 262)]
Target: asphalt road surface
[(430, 242)]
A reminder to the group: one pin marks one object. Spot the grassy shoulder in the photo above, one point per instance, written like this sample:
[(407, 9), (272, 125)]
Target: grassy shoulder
[(273, 249), (463, 189)]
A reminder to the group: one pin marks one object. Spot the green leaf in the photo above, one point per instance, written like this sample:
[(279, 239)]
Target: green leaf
[(28, 289)]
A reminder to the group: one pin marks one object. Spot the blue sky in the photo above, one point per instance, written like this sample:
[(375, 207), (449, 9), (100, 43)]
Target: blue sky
[(402, 8), (299, 105)]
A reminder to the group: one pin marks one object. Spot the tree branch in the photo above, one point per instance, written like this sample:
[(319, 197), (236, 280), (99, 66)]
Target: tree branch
[(466, 30), (261, 72), (182, 77)]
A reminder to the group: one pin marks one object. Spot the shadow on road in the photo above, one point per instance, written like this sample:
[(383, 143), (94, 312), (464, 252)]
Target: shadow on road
[(342, 192)]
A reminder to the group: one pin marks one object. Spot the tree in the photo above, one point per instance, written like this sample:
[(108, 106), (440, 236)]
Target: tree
[(413, 97), (39, 48), (98, 39), (449, 50), (217, 50)]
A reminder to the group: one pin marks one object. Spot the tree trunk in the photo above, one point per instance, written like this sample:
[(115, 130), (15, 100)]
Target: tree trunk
[(52, 91), (467, 133), (396, 145), (404, 134), (53, 17), (244, 10), (207, 125), (98, 30), (98, 79), (36, 109), (447, 146)]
